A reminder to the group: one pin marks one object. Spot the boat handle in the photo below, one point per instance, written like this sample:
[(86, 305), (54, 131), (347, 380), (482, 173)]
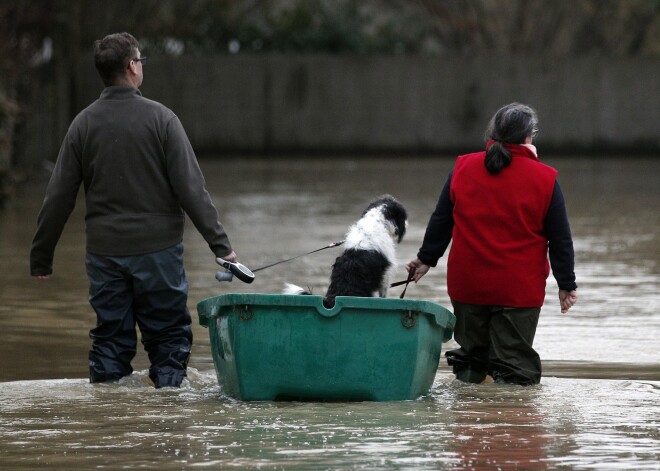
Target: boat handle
[(409, 319), (245, 312)]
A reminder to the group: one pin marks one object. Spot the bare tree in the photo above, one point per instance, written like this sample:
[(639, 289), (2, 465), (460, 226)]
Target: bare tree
[(560, 27)]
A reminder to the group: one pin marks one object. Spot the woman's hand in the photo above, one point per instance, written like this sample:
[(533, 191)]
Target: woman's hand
[(567, 299), (417, 269)]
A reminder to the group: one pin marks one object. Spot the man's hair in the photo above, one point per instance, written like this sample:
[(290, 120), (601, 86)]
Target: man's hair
[(112, 55)]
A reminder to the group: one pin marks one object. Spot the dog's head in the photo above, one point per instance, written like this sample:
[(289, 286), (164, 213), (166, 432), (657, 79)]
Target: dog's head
[(392, 211)]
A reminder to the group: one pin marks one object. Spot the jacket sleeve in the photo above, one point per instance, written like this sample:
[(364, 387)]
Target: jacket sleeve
[(189, 185), (439, 229), (57, 206), (560, 241)]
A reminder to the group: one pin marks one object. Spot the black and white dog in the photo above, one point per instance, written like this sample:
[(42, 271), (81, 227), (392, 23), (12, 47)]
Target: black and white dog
[(369, 258)]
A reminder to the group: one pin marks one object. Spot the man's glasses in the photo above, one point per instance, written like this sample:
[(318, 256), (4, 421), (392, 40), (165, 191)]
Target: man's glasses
[(139, 59)]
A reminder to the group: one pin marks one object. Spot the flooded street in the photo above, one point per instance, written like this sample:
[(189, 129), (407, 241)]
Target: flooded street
[(574, 424), (598, 406)]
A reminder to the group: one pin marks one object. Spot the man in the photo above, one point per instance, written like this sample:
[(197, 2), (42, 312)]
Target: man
[(140, 175)]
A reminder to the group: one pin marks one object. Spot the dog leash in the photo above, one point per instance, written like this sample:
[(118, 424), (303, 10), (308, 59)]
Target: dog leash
[(411, 275), (333, 244), (399, 283)]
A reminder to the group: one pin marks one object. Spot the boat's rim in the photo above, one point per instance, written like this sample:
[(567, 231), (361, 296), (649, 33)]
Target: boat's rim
[(210, 307)]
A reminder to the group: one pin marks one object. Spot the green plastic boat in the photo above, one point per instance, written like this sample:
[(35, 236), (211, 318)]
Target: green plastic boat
[(269, 347)]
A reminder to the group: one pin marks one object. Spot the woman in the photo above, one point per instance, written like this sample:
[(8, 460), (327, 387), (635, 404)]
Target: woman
[(504, 211)]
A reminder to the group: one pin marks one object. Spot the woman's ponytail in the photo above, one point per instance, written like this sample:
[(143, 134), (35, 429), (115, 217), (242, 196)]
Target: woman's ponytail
[(511, 124), (497, 158)]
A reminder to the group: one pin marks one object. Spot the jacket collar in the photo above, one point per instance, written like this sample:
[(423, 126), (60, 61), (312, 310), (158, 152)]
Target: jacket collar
[(518, 150), (118, 92)]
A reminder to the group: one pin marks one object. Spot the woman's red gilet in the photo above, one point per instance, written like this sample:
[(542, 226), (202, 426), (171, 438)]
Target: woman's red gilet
[(499, 253)]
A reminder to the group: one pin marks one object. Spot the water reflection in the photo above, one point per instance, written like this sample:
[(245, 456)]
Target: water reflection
[(500, 427), (560, 423)]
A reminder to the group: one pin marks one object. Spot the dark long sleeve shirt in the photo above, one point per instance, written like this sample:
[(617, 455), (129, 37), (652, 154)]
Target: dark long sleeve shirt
[(140, 176), (560, 242)]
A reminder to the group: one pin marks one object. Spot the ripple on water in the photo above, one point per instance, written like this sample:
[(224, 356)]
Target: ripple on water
[(578, 423)]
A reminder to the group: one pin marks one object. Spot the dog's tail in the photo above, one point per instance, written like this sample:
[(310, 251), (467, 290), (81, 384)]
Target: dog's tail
[(295, 289)]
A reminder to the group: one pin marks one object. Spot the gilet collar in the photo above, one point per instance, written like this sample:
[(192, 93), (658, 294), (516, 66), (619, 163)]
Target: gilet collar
[(521, 150)]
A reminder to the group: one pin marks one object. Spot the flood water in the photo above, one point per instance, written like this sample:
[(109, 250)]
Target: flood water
[(598, 405)]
